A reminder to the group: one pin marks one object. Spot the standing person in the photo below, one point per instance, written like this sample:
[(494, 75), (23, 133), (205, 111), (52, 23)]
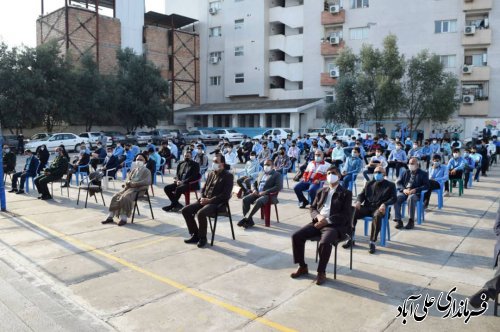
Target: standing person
[(483, 151), (29, 170), (311, 180), (475, 135), (216, 190), (486, 133), (43, 155), (438, 174), (331, 214), (20, 144), (55, 171), (9, 160)]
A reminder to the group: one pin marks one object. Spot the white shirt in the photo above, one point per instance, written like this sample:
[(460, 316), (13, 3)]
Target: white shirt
[(325, 211)]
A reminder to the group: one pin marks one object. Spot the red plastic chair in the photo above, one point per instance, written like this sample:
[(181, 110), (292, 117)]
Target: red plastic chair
[(192, 187), (265, 211)]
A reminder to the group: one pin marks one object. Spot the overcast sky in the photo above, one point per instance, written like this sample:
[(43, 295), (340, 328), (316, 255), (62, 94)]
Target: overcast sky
[(18, 18)]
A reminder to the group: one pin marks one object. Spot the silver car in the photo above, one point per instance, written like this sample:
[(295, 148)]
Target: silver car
[(231, 134), (206, 136)]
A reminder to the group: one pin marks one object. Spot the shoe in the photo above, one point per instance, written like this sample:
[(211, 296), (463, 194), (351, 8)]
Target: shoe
[(44, 198), (302, 270), (348, 244), (19, 192), (66, 185), (372, 248), (122, 222), (242, 222), (177, 208), (320, 279), (193, 239), (167, 208), (13, 190), (202, 242), (410, 224), (447, 194), (478, 298), (249, 224), (107, 221), (40, 197), (399, 225), (303, 205)]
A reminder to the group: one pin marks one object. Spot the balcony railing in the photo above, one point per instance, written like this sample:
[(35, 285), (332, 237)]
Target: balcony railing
[(478, 5), (480, 37), (328, 18), (326, 80), (478, 108), (478, 74), (329, 49)]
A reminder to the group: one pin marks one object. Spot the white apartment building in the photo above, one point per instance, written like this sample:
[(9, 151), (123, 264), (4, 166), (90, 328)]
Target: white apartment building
[(277, 50)]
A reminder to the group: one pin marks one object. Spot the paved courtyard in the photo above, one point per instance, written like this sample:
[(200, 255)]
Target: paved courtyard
[(61, 270)]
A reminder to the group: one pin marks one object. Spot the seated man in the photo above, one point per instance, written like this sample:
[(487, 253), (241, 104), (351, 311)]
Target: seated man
[(98, 156), (165, 153), (269, 181), (377, 160), (456, 167), (282, 161), (438, 173), (9, 160), (415, 151), (469, 166), (110, 163), (217, 190), (55, 171), (122, 203), (155, 156), (201, 158), (29, 170), (293, 153), (244, 150), (188, 171), (397, 159), (426, 154), (311, 179), (338, 154), (376, 196), (351, 168), (230, 156), (79, 164), (410, 184), (331, 214), (248, 175), (264, 154)]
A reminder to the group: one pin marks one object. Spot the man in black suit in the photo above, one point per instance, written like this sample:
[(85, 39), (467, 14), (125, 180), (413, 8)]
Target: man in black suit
[(491, 287), (331, 214), (410, 185), (79, 164), (55, 171), (9, 160), (216, 191), (269, 181), (188, 171), (110, 163)]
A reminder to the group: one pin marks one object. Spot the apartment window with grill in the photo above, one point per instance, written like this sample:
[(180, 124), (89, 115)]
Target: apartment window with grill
[(448, 61), (215, 80), (216, 55), (480, 90), (360, 4), (238, 24), (239, 78), (239, 51), (477, 58), (329, 96), (358, 33), (215, 32), (445, 26)]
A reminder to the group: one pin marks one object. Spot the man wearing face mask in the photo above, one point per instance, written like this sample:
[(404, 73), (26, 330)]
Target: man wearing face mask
[(216, 191), (438, 174), (187, 171), (248, 175), (293, 153), (456, 167), (230, 156), (201, 158), (244, 150), (281, 161), (9, 160), (29, 170), (54, 172), (98, 156), (410, 185), (122, 203), (377, 160), (376, 196), (435, 148), (43, 155), (470, 165), (351, 168), (397, 159), (80, 163), (338, 154), (269, 181), (264, 154), (415, 151), (110, 163), (311, 179), (331, 214)]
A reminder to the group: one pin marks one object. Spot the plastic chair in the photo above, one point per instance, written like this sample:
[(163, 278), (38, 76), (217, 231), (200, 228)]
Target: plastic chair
[(284, 173), (352, 185), (321, 184), (108, 178), (265, 210), (27, 180), (385, 230), (420, 208), (222, 210), (159, 170), (460, 185), (83, 174), (192, 187), (125, 169)]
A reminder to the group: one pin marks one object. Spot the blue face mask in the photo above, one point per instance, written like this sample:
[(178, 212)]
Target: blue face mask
[(378, 176)]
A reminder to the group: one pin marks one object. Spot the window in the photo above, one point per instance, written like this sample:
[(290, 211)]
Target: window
[(215, 32), (479, 90), (477, 58), (215, 80), (448, 61), (445, 26), (331, 66), (214, 5), (217, 55), (238, 24), (329, 97), (358, 33), (239, 78), (360, 4), (239, 51)]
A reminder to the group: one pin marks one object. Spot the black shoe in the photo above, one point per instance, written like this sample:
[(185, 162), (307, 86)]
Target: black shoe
[(193, 239), (242, 222), (107, 221), (372, 248), (478, 298), (303, 205), (399, 225), (19, 192), (249, 224), (348, 244), (47, 197), (167, 208), (177, 208), (40, 197), (410, 224), (122, 222), (13, 190), (202, 242)]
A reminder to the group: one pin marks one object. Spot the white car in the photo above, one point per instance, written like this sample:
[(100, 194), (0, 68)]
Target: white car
[(231, 134), (346, 133), (93, 138), (278, 133), (319, 131), (70, 141)]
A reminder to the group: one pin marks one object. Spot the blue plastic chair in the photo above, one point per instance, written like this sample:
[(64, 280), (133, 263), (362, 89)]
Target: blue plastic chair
[(385, 230), (321, 184), (125, 169), (420, 208), (284, 173), (352, 185), (79, 173), (159, 170), (27, 181)]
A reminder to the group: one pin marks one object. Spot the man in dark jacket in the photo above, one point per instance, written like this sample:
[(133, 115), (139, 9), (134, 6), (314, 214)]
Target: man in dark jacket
[(377, 195), (187, 171), (244, 150), (29, 171), (410, 185), (269, 181), (54, 172), (216, 191), (331, 214), (9, 160), (491, 287), (110, 163), (79, 164)]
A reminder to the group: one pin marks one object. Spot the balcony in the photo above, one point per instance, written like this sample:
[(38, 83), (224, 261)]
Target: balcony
[(293, 72), (326, 80), (478, 74), (478, 108), (480, 37), (328, 18), (282, 94), (477, 5), (329, 49), (291, 45), (292, 16)]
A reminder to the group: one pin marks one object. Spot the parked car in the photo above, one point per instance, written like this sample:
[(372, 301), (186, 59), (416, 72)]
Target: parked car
[(115, 137), (11, 141), (94, 137), (278, 133), (315, 132), (231, 134), (70, 141), (206, 136), (141, 137), (38, 136), (160, 135), (346, 133)]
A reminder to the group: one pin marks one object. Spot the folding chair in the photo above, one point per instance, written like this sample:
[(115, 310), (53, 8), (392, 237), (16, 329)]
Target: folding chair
[(97, 188), (136, 207), (223, 210), (265, 211), (61, 181)]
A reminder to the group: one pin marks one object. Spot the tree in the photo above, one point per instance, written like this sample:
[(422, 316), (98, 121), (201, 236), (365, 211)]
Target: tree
[(428, 91), (141, 92)]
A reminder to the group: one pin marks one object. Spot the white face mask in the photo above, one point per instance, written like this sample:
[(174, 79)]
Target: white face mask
[(456, 155), (267, 169), (415, 146), (252, 157), (109, 154), (434, 142), (215, 167), (412, 167), (378, 154), (398, 147), (139, 163), (332, 178)]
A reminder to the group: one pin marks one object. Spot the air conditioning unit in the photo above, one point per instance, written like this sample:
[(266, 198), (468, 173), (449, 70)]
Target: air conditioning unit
[(334, 73), (468, 99), (214, 59), (470, 30), (334, 9), (485, 58), (212, 10), (334, 40), (467, 69)]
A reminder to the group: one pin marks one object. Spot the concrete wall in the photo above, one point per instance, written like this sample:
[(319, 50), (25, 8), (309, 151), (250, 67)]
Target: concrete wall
[(131, 15)]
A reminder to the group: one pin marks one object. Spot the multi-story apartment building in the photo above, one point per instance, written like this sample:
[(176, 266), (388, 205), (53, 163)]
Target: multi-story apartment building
[(276, 50)]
